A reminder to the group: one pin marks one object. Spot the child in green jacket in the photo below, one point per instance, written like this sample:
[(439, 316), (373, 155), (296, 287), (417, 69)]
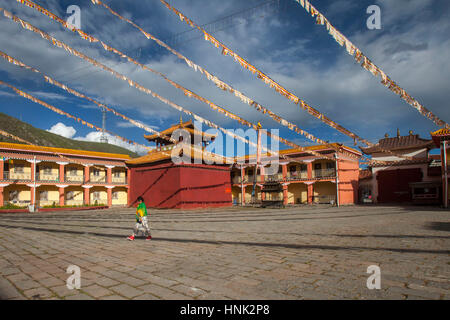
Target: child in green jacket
[(141, 219)]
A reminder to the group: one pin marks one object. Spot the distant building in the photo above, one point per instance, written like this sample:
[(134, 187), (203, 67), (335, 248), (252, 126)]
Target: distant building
[(306, 179), (36, 175), (405, 180)]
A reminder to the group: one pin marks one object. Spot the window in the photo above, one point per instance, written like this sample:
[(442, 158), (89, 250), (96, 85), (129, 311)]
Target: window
[(47, 170), (331, 165), (116, 174), (96, 172), (73, 171), (14, 195), (292, 168), (96, 195), (18, 168), (70, 195), (303, 167), (318, 166), (115, 195), (43, 195)]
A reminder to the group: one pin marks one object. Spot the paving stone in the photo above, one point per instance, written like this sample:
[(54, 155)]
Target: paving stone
[(106, 282), (146, 296), (126, 291), (8, 291), (51, 282), (305, 252), (63, 291), (96, 291), (79, 296), (40, 293)]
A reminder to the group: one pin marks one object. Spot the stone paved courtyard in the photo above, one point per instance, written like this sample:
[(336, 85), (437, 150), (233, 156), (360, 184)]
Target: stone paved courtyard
[(315, 252)]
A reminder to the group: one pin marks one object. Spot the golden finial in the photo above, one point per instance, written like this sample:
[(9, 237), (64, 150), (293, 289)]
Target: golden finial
[(181, 119)]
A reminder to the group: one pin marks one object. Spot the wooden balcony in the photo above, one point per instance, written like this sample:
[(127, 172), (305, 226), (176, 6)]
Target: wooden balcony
[(324, 173), (297, 175)]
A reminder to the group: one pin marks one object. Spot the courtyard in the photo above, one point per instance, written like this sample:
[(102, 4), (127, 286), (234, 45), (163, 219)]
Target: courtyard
[(305, 252)]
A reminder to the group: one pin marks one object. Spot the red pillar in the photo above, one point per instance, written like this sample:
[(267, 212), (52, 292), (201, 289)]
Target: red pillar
[(87, 175), (309, 170), (61, 173), (32, 193), (109, 191), (310, 193), (285, 194), (61, 197), (242, 186), (109, 175), (310, 190), (2, 203), (284, 171), (86, 196), (1, 169), (129, 187)]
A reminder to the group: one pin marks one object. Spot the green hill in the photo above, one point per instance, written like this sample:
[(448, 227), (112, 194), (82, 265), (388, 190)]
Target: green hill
[(47, 139)]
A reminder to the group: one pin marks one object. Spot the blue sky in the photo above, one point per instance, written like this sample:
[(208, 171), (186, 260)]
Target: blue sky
[(412, 47)]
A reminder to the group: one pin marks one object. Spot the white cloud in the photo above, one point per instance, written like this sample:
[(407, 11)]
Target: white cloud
[(7, 94), (47, 95), (96, 135), (127, 124), (63, 130)]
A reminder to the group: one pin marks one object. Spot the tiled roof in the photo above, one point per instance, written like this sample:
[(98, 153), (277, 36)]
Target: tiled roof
[(155, 156), (316, 148), (441, 132), (400, 163), (92, 154), (171, 130), (399, 143)]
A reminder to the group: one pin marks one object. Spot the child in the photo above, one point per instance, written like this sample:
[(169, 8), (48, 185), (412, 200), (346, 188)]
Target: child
[(141, 218)]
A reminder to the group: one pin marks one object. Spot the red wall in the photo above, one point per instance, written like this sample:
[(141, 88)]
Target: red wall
[(166, 185), (393, 185)]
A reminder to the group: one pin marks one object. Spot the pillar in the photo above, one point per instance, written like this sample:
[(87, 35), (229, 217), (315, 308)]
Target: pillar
[(87, 174), (109, 196), (61, 173), (284, 171), (2, 202), (108, 175), (310, 193), (285, 194), (2, 167), (61, 197), (129, 187), (33, 171), (87, 199), (33, 195), (309, 170), (242, 186)]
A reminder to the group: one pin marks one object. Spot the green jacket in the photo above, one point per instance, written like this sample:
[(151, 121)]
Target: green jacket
[(141, 211)]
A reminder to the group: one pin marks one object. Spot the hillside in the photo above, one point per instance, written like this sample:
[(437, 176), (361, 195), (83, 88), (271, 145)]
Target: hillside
[(44, 138)]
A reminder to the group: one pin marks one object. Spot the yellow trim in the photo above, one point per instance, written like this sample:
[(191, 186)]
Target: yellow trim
[(7, 145), (442, 131)]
